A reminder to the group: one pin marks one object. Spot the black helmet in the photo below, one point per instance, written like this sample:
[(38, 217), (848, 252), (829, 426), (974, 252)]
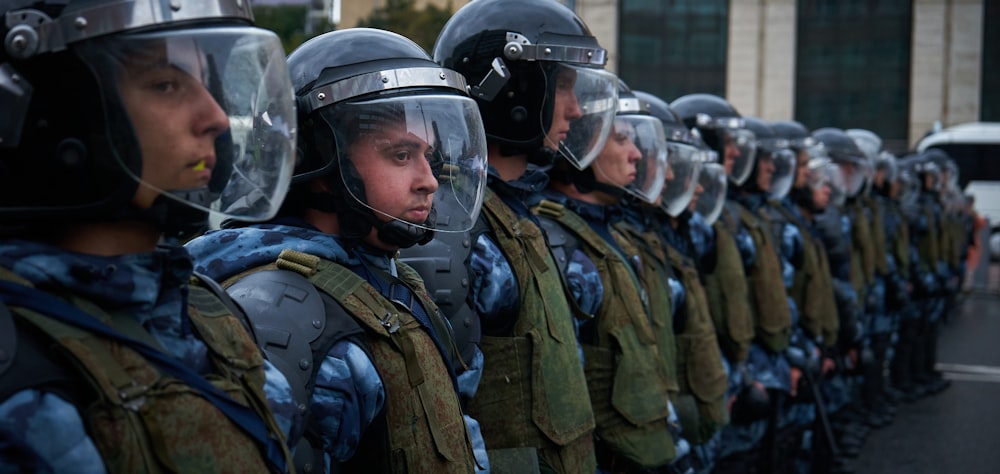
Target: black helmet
[(685, 157), (517, 55), (774, 151), (844, 151), (795, 132), (722, 128), (78, 149), (365, 93)]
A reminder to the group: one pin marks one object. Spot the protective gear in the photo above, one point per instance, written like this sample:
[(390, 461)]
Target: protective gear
[(649, 137), (794, 132), (773, 149), (871, 145), (383, 98), (722, 128), (685, 157), (625, 376), (519, 55), (845, 153), (86, 158), (534, 390), (127, 395), (398, 341)]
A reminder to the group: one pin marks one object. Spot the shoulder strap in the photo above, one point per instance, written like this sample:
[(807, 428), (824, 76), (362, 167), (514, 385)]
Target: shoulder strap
[(22, 296)]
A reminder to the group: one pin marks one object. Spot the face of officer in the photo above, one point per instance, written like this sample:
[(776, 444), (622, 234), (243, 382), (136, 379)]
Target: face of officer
[(821, 196), (616, 164), (397, 168), (730, 153), (565, 107), (176, 120), (801, 169), (765, 170)]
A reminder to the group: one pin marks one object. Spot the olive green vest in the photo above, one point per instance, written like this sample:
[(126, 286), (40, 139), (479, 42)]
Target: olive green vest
[(729, 297), (143, 421), (773, 321), (812, 286), (862, 251), (699, 360), (533, 392), (625, 373), (425, 430), (878, 235), (899, 242), (928, 244)]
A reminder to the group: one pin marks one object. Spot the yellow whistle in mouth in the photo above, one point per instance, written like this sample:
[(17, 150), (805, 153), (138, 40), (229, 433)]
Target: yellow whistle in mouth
[(200, 166)]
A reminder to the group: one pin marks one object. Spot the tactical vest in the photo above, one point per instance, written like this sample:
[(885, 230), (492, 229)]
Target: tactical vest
[(766, 284), (928, 242), (862, 251), (625, 374), (424, 428), (877, 209), (655, 279), (812, 286), (142, 420), (699, 361), (533, 392), (729, 298), (899, 241)]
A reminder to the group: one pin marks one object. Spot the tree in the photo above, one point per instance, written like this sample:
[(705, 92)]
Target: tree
[(289, 22), (402, 17)]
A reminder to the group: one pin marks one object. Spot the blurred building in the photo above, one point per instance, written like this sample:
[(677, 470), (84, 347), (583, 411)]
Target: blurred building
[(893, 66)]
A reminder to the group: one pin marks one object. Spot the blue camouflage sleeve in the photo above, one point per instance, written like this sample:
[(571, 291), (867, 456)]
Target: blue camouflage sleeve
[(584, 282), (281, 401), (346, 399), (744, 243), (494, 292), (41, 432)]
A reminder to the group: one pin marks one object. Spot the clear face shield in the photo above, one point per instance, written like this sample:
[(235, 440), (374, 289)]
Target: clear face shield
[(212, 110), (420, 159), (739, 153), (909, 187), (784, 173), (855, 174), (685, 166), (886, 163), (710, 197), (838, 185), (652, 167), (584, 105)]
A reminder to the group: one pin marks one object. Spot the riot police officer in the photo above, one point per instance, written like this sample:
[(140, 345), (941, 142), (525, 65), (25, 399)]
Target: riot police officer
[(535, 71), (125, 123), (387, 136)]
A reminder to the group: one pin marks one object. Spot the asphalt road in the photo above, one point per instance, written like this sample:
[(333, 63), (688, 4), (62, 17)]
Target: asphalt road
[(957, 431)]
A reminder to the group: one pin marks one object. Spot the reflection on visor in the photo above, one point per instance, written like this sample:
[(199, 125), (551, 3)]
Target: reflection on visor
[(784, 173), (648, 136), (711, 195), (402, 157), (230, 82), (739, 154), (583, 112), (682, 180)]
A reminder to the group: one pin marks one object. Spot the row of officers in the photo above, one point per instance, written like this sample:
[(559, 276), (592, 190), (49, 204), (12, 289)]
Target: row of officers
[(496, 258)]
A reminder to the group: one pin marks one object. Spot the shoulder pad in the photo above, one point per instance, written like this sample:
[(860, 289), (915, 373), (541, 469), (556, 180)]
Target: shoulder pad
[(561, 242), (293, 323), (443, 265)]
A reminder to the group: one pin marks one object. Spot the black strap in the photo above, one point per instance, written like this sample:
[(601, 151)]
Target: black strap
[(26, 297)]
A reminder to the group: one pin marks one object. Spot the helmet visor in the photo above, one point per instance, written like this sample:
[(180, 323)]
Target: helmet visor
[(711, 195), (682, 179), (651, 169), (420, 159), (584, 105), (784, 173), (212, 113), (739, 152)]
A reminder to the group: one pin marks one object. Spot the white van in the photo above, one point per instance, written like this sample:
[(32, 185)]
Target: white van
[(975, 147)]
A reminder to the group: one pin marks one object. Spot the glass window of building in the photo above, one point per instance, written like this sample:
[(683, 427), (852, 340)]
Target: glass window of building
[(990, 109), (853, 66), (673, 47)]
